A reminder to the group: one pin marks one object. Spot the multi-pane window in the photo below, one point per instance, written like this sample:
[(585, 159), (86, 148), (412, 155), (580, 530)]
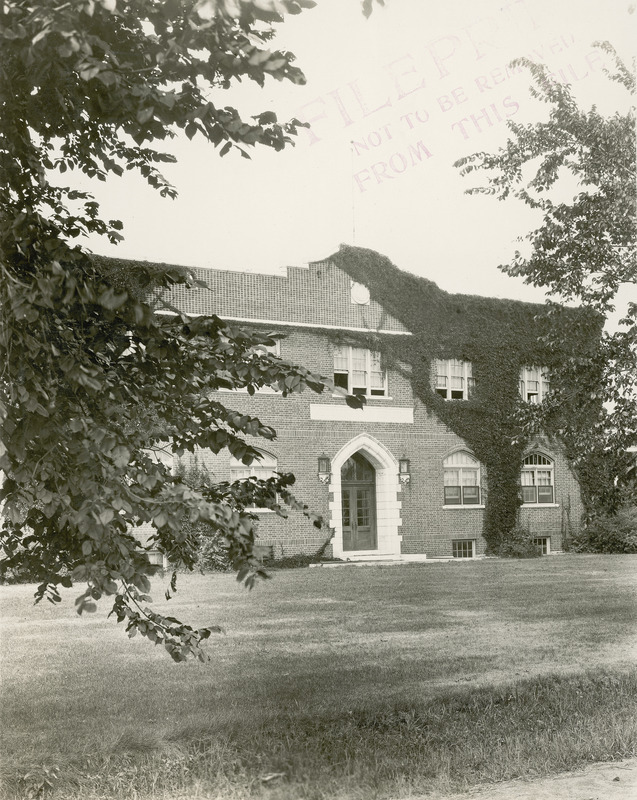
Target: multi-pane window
[(462, 548), (258, 350), (461, 479), (265, 468), (536, 480), (359, 371), (267, 349), (544, 543), (453, 379), (534, 384)]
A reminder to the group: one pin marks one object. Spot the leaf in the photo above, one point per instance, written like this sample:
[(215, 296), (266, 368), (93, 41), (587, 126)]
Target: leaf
[(160, 519), (206, 9), (145, 114), (106, 516), (112, 300), (120, 456)]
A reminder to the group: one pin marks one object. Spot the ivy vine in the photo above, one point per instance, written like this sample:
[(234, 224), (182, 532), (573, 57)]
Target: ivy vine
[(498, 337)]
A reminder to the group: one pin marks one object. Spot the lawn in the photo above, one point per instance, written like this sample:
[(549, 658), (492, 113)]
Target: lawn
[(351, 682)]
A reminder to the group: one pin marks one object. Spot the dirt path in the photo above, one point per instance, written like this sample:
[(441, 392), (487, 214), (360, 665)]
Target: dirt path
[(616, 780)]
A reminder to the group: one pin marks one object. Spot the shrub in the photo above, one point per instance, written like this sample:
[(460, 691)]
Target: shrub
[(23, 574), (213, 551), (608, 533), (518, 543), (290, 562)]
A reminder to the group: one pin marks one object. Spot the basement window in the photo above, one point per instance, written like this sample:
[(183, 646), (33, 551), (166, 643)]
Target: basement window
[(463, 548), (544, 543)]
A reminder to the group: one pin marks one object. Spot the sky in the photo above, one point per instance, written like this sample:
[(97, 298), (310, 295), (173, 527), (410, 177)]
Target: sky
[(393, 102)]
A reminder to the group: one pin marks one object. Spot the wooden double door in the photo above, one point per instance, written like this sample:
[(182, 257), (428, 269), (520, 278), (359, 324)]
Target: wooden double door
[(358, 498)]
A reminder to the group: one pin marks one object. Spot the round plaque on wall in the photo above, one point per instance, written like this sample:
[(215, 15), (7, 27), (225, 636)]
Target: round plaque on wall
[(359, 294)]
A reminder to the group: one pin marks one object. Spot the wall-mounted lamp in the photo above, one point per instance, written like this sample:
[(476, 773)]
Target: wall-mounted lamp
[(324, 468), (404, 475)]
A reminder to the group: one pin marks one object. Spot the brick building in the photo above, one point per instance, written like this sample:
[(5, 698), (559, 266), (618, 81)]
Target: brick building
[(393, 481)]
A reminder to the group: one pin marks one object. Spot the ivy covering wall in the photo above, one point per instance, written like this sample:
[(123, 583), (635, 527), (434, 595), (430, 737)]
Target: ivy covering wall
[(498, 337)]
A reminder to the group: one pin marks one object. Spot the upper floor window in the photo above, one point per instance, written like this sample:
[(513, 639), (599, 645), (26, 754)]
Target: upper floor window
[(536, 480), (265, 468), (359, 371), (534, 384), (461, 479), (259, 350), (453, 379)]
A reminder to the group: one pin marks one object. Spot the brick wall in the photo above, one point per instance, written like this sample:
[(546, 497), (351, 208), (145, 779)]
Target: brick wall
[(427, 527), (318, 294)]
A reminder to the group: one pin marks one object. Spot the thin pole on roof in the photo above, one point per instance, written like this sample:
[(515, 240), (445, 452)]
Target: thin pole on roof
[(351, 155)]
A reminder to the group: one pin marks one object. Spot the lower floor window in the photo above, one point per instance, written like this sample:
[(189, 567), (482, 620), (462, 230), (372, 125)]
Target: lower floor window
[(544, 543), (536, 480), (262, 470), (461, 479), (462, 548)]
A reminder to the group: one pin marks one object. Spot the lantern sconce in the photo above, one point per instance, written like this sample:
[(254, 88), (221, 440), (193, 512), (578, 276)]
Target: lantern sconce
[(404, 475), (324, 468)]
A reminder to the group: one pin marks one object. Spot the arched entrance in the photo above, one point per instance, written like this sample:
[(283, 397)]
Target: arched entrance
[(358, 501), (374, 470)]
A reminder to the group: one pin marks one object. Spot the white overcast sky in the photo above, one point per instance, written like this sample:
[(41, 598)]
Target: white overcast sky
[(393, 101)]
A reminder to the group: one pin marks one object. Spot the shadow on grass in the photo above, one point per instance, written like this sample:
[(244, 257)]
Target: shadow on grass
[(449, 743)]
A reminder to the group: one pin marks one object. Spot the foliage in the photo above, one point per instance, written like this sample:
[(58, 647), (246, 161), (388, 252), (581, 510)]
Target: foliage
[(608, 533), (96, 384), (368, 6), (299, 560), (585, 248), (212, 545), (498, 337), (212, 553), (519, 544)]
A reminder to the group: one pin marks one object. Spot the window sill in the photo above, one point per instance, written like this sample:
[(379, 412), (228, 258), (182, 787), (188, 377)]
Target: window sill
[(464, 507), (540, 505), (367, 396), (242, 390)]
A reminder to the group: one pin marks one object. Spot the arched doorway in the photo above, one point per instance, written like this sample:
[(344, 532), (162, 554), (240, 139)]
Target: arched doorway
[(358, 502), (387, 505)]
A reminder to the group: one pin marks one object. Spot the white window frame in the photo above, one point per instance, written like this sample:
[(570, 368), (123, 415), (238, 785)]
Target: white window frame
[(464, 462), (532, 465), (267, 467), (459, 545), (544, 542), (346, 353), (534, 384), (453, 387)]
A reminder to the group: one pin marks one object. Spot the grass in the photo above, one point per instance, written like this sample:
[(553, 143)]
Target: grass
[(329, 683)]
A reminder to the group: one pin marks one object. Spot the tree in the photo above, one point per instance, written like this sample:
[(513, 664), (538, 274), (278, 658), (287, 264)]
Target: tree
[(93, 380), (585, 248)]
